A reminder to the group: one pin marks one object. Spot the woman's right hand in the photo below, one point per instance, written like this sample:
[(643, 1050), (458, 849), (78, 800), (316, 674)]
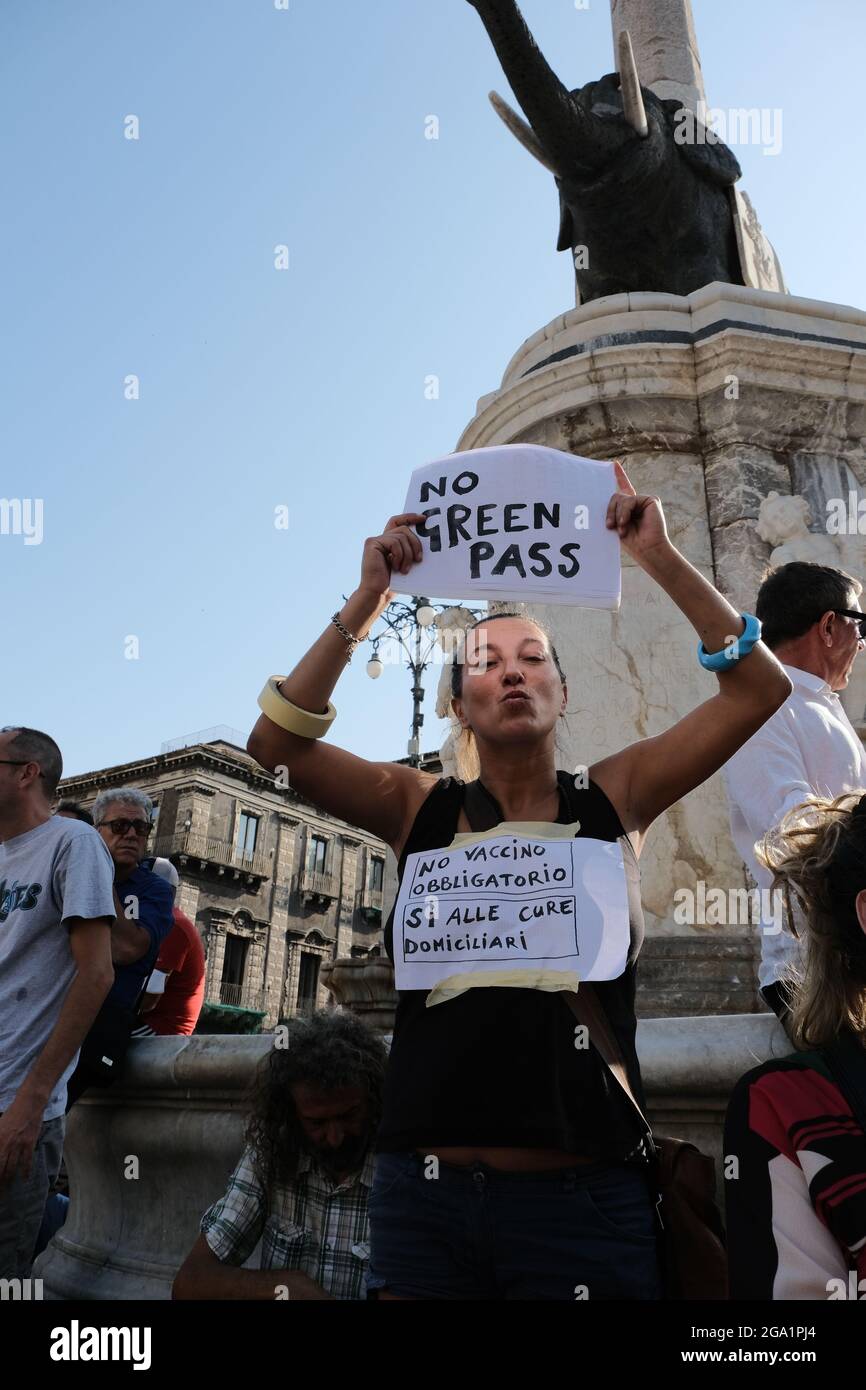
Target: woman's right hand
[(395, 551)]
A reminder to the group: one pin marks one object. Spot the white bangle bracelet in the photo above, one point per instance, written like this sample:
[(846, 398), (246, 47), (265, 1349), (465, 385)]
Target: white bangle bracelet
[(292, 718)]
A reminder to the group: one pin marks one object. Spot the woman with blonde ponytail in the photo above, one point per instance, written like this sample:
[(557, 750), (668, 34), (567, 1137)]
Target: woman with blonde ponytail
[(795, 1137), (510, 1165)]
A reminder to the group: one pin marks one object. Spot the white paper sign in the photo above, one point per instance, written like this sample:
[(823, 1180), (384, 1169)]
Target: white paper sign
[(507, 900), (517, 521)]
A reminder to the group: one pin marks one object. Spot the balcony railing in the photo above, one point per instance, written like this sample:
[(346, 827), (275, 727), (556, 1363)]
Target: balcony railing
[(315, 885), (371, 903), (212, 851), (239, 997)]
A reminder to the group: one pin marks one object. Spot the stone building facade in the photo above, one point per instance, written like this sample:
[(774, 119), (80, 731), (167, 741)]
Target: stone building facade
[(275, 886)]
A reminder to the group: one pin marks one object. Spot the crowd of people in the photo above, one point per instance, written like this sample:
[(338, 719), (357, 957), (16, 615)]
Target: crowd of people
[(485, 1155)]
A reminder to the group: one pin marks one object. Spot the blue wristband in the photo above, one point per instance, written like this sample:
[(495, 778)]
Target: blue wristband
[(723, 660)]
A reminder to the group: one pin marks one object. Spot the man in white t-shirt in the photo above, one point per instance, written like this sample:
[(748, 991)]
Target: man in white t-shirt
[(56, 911), (811, 621)]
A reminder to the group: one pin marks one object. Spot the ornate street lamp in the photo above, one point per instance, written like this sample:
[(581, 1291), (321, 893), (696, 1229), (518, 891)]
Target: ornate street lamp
[(414, 628)]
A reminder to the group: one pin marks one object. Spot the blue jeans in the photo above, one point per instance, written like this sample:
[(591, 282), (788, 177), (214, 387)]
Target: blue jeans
[(476, 1233), (55, 1214), (22, 1202)]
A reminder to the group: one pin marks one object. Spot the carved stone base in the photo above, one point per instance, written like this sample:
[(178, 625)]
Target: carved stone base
[(366, 987), (713, 400), (680, 976)]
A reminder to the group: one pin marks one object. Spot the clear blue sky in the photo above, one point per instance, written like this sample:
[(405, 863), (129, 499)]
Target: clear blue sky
[(306, 387)]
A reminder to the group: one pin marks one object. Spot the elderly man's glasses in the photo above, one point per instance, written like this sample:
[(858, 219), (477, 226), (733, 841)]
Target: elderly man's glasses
[(17, 762), (859, 618), (123, 827)]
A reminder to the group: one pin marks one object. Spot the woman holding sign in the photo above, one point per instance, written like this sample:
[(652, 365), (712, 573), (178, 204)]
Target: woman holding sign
[(510, 1163)]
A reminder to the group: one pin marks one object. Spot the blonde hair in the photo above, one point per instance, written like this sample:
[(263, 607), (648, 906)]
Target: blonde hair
[(818, 854), (465, 753), (465, 748)]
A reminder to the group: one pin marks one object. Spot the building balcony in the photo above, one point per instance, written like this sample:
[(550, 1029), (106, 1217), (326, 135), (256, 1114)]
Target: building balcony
[(234, 996), (318, 887), (370, 906), (219, 855)]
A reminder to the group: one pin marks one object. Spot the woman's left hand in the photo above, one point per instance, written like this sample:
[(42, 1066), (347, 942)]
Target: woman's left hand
[(639, 521)]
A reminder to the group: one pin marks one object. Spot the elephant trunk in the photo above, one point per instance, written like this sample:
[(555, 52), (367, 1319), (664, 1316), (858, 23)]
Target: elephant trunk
[(566, 133)]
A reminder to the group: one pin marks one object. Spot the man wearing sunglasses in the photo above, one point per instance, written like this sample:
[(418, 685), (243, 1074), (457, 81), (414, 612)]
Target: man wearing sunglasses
[(143, 919), (812, 622), (56, 910)]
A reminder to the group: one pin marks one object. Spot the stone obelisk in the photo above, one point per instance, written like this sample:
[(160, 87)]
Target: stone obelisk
[(665, 47)]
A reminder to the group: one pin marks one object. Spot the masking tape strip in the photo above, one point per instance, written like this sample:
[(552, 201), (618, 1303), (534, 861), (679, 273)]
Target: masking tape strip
[(551, 980)]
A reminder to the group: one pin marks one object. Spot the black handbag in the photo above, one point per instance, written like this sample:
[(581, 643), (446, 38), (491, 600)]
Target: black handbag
[(104, 1050), (682, 1181)]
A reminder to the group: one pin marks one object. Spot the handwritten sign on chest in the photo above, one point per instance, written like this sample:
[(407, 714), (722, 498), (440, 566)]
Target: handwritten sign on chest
[(524, 904), (517, 521)]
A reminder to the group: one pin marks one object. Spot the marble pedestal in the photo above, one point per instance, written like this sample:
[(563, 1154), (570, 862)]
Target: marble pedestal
[(712, 400)]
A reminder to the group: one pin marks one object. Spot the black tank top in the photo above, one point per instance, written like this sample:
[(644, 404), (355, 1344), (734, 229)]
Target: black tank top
[(499, 1067)]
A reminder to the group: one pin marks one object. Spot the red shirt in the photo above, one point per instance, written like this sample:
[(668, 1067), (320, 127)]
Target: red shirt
[(181, 957)]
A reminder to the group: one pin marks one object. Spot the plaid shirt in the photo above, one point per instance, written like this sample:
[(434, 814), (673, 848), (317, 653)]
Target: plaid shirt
[(311, 1225)]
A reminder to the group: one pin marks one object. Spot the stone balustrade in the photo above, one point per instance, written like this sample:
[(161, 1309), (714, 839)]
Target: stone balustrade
[(148, 1157)]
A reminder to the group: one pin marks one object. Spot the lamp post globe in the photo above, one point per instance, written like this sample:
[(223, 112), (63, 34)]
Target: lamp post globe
[(405, 623)]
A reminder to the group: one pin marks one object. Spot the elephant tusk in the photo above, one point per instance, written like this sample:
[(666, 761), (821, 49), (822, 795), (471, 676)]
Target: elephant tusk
[(632, 100), (521, 131)]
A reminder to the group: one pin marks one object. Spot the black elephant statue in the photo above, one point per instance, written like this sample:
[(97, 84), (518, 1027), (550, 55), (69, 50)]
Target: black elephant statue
[(645, 189)]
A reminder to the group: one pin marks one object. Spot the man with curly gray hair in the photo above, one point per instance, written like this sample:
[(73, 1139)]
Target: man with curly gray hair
[(303, 1180), (144, 904)]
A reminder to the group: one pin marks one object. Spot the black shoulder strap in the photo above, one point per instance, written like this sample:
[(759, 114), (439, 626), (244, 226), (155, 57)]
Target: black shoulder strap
[(430, 815), (442, 805), (846, 1060), (587, 1009), (481, 812), (591, 806)]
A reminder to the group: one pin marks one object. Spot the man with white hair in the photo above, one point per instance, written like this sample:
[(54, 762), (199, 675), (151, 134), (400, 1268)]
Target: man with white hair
[(144, 918)]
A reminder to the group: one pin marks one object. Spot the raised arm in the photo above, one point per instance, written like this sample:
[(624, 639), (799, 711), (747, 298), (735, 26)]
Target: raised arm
[(645, 779), (377, 796)]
